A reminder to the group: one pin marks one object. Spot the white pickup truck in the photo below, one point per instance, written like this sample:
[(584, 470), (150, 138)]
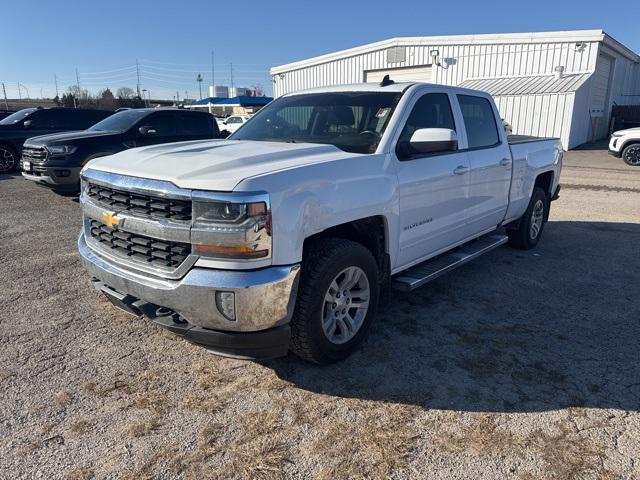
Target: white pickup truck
[(282, 237)]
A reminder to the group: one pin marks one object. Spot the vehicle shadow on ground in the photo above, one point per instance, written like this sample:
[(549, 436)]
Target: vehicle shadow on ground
[(514, 331)]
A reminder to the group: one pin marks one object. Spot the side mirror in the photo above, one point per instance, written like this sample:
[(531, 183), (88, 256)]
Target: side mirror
[(433, 140), (224, 133), (27, 123), (147, 130)]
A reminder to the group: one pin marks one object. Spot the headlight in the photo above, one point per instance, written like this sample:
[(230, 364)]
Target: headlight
[(231, 230), (60, 150)]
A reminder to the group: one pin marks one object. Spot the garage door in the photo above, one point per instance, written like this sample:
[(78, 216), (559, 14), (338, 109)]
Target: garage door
[(411, 74), (599, 96)]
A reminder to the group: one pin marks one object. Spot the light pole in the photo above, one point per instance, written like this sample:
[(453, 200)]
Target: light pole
[(199, 80), (144, 91)]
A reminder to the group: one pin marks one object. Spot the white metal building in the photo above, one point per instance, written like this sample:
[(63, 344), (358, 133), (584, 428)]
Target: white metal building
[(559, 84)]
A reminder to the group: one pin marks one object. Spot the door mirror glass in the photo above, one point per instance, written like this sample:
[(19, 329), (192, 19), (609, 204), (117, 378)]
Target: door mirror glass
[(147, 130), (27, 123), (432, 140)]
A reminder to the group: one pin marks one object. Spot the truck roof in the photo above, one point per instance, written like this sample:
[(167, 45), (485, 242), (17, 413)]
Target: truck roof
[(376, 87)]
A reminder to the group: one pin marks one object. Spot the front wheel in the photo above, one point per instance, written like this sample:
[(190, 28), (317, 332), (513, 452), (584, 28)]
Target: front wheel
[(8, 159), (531, 224), (337, 300), (631, 155)]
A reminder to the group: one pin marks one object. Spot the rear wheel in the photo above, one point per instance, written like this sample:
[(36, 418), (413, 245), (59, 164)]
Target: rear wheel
[(8, 159), (631, 155), (337, 300), (531, 224)]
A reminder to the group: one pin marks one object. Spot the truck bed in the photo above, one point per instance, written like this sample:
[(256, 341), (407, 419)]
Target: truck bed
[(515, 139)]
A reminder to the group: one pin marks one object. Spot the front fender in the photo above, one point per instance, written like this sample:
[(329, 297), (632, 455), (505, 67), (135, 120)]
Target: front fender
[(310, 199)]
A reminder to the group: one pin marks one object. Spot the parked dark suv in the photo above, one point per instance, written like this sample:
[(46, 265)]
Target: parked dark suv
[(29, 122), (56, 160)]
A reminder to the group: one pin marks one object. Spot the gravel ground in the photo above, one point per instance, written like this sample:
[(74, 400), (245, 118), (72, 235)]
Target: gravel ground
[(520, 365)]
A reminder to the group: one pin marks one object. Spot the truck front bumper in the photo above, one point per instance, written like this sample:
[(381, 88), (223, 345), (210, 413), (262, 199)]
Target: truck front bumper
[(57, 178), (264, 300)]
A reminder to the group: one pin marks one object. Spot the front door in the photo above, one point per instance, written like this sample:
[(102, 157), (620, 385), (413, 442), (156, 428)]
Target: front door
[(433, 188)]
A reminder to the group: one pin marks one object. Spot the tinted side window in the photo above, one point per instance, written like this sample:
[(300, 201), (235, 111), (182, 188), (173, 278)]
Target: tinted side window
[(71, 119), (43, 119), (195, 125), (479, 121), (163, 123), (432, 110)]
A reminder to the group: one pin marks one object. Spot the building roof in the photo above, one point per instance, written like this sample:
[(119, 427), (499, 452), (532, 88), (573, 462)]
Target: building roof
[(532, 85), (241, 101), (484, 39)]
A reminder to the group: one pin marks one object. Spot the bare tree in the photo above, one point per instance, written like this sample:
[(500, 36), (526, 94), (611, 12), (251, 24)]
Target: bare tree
[(125, 93)]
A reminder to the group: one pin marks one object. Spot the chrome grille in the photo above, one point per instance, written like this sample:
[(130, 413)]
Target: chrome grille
[(160, 253), (140, 204), (34, 154)]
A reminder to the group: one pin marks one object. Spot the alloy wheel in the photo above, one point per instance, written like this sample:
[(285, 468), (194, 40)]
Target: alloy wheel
[(346, 303), (537, 217), (632, 155), (7, 160)]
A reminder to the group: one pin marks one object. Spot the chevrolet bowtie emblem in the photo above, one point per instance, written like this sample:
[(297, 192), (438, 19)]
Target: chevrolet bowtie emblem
[(110, 219)]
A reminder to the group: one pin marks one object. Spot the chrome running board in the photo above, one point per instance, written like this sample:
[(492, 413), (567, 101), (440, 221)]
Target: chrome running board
[(431, 269)]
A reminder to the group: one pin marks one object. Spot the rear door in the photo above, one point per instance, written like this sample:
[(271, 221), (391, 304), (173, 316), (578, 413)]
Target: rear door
[(196, 126), (490, 162), (434, 188)]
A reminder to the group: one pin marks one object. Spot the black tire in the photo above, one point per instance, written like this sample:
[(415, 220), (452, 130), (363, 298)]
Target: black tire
[(631, 154), (9, 159), (522, 236), (323, 261)]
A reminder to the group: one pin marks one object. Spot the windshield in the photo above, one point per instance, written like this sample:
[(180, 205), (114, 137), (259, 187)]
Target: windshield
[(119, 122), (352, 121), (16, 117)]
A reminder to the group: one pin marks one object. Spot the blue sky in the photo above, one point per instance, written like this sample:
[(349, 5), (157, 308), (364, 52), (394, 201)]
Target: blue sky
[(173, 40)]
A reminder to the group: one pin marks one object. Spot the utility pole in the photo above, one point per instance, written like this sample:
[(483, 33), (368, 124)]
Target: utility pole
[(213, 76), (76, 102), (199, 80), (138, 75), (55, 79), (4, 90), (19, 92)]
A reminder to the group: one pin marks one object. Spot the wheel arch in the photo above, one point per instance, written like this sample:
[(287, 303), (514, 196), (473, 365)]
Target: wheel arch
[(371, 232)]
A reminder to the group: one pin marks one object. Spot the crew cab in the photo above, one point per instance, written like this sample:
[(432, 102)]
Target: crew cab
[(625, 144), (29, 122), (55, 160), (281, 237)]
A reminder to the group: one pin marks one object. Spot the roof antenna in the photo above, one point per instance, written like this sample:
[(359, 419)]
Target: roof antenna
[(386, 81)]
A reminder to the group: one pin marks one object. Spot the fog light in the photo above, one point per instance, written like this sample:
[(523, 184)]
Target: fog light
[(62, 173), (226, 303)]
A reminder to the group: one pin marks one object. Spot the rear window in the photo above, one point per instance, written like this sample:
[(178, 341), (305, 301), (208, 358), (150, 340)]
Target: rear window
[(479, 120)]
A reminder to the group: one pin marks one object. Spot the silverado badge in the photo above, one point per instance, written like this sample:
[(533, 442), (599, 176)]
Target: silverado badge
[(110, 219)]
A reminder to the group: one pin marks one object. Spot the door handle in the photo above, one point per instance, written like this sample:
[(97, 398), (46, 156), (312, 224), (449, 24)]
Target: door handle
[(461, 170), (505, 161)]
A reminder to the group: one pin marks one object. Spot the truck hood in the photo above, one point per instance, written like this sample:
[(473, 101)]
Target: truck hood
[(628, 131), (64, 137), (217, 165)]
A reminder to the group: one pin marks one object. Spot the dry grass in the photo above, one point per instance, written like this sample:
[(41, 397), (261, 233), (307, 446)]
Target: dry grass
[(81, 426), (140, 429), (151, 400), (78, 473), (62, 398), (567, 455), (5, 373), (371, 442)]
